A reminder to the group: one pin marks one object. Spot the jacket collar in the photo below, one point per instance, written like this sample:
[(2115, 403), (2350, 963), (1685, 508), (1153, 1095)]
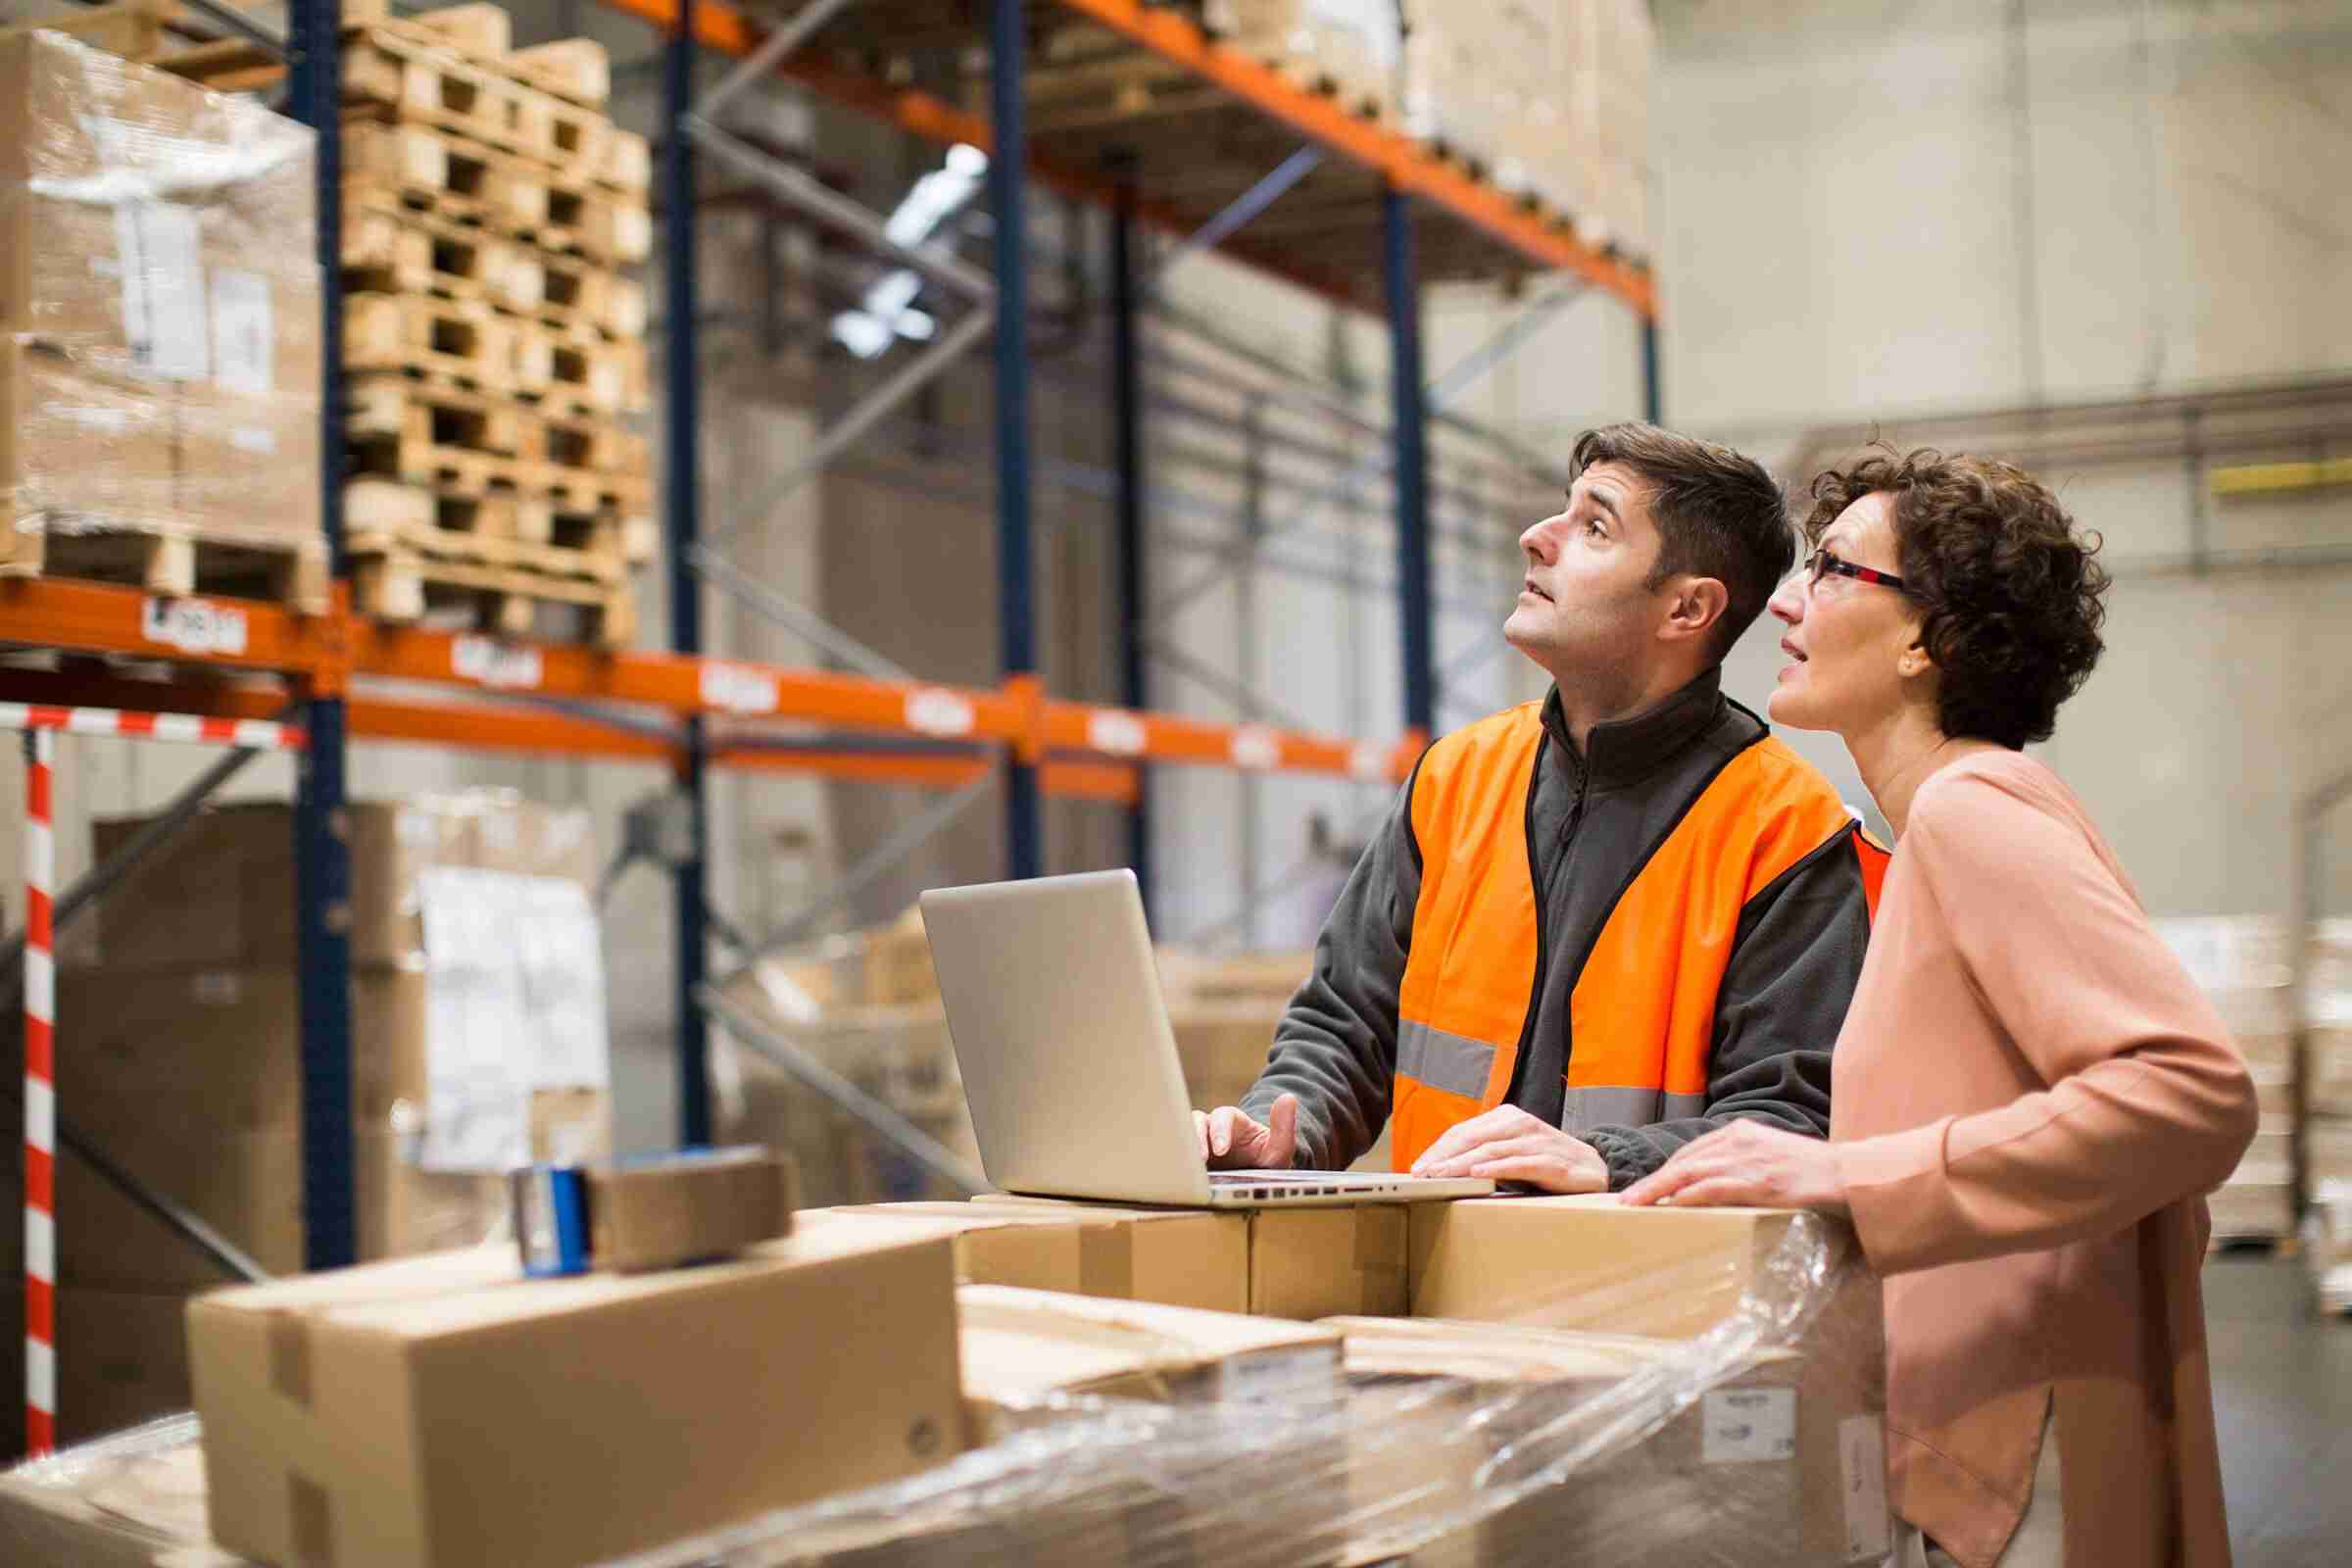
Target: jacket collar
[(1627, 749)]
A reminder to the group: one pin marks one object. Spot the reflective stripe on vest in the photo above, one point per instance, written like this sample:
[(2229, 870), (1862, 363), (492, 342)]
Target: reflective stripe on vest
[(1642, 1012)]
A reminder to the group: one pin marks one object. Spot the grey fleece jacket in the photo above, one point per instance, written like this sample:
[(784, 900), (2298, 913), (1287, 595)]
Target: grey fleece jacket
[(1592, 821)]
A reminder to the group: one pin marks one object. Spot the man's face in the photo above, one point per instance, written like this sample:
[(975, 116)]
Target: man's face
[(1586, 611)]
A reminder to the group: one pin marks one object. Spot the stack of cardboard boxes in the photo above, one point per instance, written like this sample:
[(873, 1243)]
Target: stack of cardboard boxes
[(159, 322), (178, 1057), (2327, 1126), (2242, 964), (1585, 1380)]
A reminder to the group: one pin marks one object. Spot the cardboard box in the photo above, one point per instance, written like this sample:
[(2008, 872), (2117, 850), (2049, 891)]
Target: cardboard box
[(148, 226), (446, 1410), (2326, 1151), (1174, 1257), (1022, 1348), (1779, 1463), (897, 963), (122, 1359), (1222, 1047), (220, 892), (75, 447), (2328, 1073), (247, 465), (1331, 1263), (659, 1215), (1591, 1263)]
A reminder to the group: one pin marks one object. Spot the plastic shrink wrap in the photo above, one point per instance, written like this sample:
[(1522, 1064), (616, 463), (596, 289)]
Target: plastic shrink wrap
[(1754, 1441)]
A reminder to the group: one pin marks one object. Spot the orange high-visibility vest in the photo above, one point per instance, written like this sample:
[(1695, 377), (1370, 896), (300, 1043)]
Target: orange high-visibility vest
[(1641, 1014)]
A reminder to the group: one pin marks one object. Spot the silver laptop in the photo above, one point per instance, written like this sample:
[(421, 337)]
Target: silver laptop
[(1054, 1006)]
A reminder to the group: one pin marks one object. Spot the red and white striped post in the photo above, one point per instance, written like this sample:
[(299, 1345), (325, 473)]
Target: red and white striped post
[(40, 724), (40, 1102)]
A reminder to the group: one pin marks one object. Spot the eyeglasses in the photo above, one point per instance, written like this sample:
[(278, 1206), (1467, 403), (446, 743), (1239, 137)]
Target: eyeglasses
[(1821, 564)]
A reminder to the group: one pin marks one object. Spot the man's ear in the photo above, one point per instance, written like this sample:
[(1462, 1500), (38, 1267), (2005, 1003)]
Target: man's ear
[(1699, 603)]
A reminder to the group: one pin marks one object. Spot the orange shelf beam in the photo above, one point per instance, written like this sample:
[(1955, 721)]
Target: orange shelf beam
[(469, 728), (1123, 733), (1175, 38), (98, 617)]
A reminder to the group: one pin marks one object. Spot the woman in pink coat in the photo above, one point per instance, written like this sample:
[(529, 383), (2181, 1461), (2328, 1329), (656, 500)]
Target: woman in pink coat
[(2029, 1097)]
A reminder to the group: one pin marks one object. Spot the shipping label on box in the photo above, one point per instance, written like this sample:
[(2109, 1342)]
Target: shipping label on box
[(446, 1410)]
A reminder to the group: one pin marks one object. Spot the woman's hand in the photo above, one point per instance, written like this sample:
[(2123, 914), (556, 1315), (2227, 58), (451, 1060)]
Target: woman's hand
[(1746, 1164)]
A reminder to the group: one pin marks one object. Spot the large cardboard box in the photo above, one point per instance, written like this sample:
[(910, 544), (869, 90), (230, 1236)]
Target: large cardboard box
[(1172, 1258), (76, 446), (122, 1359), (446, 1410), (247, 464), (220, 892), (2328, 1073), (1591, 1264), (1349, 1261), (1777, 1464), (1022, 1348)]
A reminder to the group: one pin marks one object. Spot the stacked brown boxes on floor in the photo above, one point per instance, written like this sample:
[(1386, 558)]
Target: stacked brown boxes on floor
[(2328, 1110), (493, 340), (2242, 962), (158, 316), (178, 1057)]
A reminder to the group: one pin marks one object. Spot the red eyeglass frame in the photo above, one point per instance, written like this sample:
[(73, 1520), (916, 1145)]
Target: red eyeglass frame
[(1822, 561)]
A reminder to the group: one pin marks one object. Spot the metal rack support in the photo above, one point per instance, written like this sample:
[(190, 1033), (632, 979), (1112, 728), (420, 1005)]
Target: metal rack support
[(681, 472), (1413, 463), (321, 852), (1127, 435), (1007, 180)]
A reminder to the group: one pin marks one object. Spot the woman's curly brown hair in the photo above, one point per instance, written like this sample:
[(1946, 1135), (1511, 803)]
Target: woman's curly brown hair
[(2011, 592)]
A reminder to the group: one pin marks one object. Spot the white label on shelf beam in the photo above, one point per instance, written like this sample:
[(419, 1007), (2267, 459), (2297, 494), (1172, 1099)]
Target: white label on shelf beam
[(735, 689), (490, 663), (936, 713), (1119, 734), (1257, 750), (193, 626), (1368, 761)]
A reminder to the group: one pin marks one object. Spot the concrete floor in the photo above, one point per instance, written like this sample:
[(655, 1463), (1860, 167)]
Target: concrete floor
[(2283, 1395)]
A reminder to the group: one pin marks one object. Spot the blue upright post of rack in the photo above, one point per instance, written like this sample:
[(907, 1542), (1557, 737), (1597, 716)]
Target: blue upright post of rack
[(1405, 387), (1127, 420), (683, 498), (321, 853), (1008, 178), (1653, 402)]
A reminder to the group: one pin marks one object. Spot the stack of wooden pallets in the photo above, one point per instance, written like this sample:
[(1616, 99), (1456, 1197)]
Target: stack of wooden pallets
[(493, 341)]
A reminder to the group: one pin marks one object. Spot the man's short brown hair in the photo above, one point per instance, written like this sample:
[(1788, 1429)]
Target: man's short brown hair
[(1719, 515), (2013, 598)]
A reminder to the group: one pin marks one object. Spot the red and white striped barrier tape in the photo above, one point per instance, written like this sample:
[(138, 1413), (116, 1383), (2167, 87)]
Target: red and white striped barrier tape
[(40, 1105), (41, 725), (260, 734)]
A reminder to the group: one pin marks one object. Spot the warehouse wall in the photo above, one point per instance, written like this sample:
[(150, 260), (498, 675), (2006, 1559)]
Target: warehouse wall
[(1870, 212)]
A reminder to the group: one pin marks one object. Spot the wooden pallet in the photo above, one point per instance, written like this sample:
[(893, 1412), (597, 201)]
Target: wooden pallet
[(576, 69), (466, 181), (392, 248), (386, 505), (395, 582), (481, 448), (2255, 1244), (457, 342), (601, 565), (175, 560), (420, 79)]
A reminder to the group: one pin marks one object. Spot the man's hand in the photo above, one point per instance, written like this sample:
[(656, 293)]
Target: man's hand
[(1746, 1164), (1508, 1145), (1231, 1141)]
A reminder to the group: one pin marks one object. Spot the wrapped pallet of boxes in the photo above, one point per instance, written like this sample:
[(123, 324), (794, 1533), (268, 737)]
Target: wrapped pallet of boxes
[(1348, 49), (2241, 962), (478, 1041), (443, 1410), (159, 368), (1762, 1457), (2328, 1243)]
